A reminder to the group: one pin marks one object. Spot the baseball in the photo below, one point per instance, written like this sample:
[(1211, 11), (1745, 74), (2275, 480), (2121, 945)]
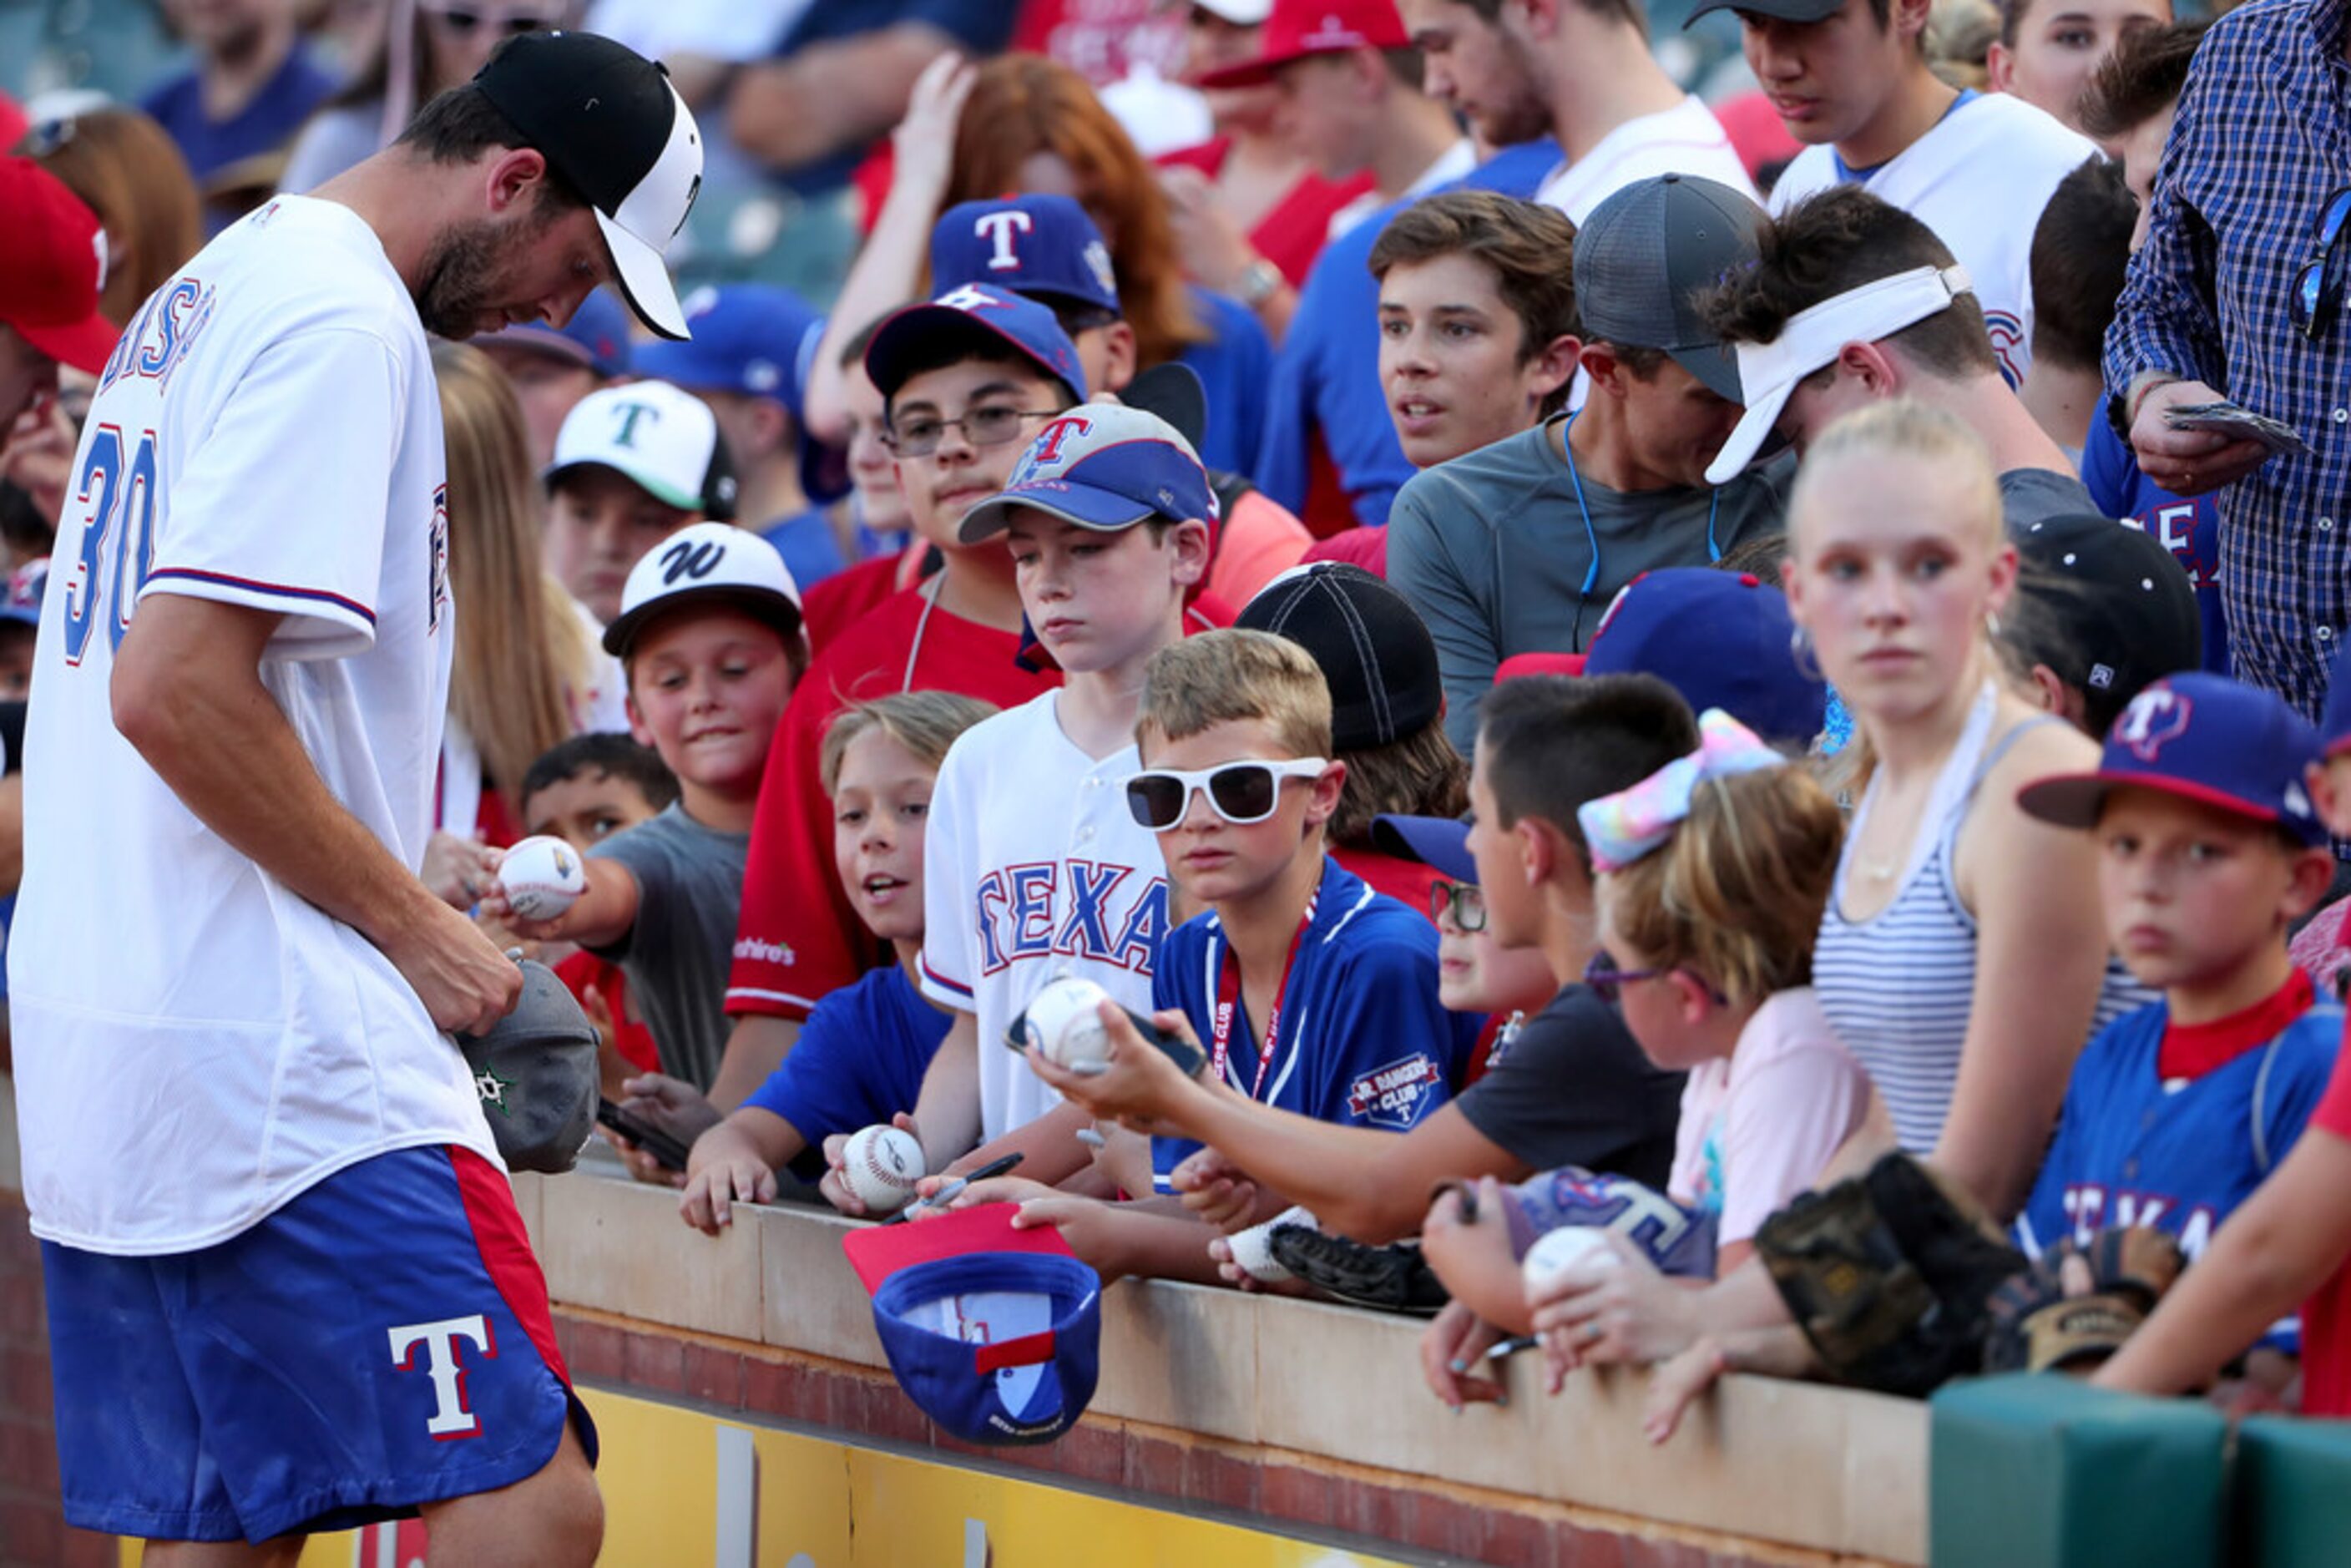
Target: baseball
[(1557, 1254), (1253, 1251), (541, 877), (882, 1165), (1065, 1025)]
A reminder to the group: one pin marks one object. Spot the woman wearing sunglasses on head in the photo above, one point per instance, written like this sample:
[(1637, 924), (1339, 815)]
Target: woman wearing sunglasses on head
[(426, 48)]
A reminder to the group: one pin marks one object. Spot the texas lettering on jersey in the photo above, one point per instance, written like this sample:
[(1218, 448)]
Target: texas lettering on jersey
[(2092, 1207), (1073, 908)]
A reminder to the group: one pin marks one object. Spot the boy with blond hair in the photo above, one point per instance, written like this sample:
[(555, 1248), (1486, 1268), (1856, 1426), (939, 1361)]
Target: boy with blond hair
[(1311, 991)]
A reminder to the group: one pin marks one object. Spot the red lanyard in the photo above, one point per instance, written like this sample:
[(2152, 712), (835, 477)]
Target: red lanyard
[(1229, 999)]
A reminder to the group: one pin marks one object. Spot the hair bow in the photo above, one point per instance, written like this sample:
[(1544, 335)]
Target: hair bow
[(1622, 828)]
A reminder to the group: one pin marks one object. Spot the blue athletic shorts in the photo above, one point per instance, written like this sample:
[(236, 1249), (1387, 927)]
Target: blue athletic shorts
[(381, 1341)]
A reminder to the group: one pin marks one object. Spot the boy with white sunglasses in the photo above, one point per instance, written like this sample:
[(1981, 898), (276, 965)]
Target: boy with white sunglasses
[(1310, 991)]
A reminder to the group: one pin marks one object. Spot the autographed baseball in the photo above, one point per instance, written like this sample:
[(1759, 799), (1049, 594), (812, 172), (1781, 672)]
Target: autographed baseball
[(882, 1165), (541, 877), (1065, 1024), (1559, 1252), (1253, 1251)]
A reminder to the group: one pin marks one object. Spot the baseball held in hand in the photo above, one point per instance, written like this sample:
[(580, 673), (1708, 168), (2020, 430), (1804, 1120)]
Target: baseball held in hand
[(1557, 1254), (882, 1165), (541, 877), (1065, 1023)]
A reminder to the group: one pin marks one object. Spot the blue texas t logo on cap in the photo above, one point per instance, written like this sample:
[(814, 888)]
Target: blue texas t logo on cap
[(2156, 716)]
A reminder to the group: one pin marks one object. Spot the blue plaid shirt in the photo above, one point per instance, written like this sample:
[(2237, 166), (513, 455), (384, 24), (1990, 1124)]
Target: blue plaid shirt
[(2262, 139)]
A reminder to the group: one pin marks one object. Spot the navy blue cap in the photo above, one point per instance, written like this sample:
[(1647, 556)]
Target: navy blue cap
[(1440, 844), (971, 313), (1721, 639), (1101, 466), (20, 597), (759, 341), (2203, 737), (996, 1347), (596, 338), (1035, 246)]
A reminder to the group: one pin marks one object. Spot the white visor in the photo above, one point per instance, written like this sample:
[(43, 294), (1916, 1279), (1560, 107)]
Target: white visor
[(1813, 338), (650, 218)]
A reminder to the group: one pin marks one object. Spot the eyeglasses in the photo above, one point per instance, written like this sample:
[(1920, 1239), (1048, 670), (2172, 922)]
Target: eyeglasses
[(2318, 288), (1608, 982), (920, 435), (1463, 902), (461, 18), (1239, 792)]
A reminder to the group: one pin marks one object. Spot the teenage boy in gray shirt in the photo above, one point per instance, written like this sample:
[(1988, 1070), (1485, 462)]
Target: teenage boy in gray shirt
[(1522, 547)]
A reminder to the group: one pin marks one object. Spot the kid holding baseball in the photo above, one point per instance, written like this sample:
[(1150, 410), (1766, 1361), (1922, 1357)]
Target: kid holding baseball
[(1311, 991), (709, 634), (860, 1059), (1711, 876)]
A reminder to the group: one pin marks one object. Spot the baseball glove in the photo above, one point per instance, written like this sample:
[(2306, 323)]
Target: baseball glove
[(1388, 1279), (536, 1073), (2075, 1305), (1888, 1275)]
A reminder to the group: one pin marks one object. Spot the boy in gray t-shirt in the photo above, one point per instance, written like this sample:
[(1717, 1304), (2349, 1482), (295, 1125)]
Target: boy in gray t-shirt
[(710, 632)]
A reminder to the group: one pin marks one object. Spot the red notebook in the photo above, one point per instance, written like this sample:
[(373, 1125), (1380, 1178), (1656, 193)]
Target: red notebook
[(878, 1252)]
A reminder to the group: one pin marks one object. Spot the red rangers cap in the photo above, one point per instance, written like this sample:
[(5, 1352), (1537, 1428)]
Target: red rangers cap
[(52, 267), (1297, 28)]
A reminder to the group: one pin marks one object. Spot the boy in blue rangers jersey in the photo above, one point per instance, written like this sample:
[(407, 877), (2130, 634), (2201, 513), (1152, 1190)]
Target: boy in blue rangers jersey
[(2209, 848), (1313, 992)]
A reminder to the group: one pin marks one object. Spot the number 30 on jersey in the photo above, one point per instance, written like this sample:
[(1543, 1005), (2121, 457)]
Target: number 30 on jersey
[(117, 495)]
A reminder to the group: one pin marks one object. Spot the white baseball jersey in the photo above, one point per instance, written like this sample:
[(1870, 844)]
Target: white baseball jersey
[(1684, 139), (1978, 179), (195, 1043), (1033, 868)]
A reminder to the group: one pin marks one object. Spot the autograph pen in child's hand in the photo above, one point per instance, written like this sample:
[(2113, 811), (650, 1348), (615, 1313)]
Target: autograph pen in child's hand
[(995, 1167)]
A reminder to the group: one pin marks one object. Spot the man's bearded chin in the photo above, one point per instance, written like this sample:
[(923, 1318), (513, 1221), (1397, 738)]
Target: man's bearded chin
[(463, 273)]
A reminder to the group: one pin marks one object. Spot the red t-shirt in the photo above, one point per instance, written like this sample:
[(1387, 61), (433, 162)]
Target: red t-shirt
[(583, 973), (798, 938), (1406, 881), (2327, 1316), (1294, 230), (831, 606)]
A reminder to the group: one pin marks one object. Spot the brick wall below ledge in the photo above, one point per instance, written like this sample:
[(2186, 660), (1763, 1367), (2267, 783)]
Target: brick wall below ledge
[(33, 1530), (1152, 1464)]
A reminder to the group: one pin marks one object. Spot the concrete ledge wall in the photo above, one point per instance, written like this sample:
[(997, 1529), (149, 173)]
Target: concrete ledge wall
[(770, 1319), (1307, 1417)]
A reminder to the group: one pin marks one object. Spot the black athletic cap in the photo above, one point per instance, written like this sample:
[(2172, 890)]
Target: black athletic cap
[(1674, 230), (606, 119), (1376, 656), (2118, 599)]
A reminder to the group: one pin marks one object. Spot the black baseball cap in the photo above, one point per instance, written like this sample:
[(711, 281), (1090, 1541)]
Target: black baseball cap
[(607, 120), (1376, 656), (1785, 10), (1674, 230), (2115, 598)]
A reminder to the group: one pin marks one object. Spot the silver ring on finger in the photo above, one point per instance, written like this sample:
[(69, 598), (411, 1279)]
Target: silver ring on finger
[(1592, 1332)]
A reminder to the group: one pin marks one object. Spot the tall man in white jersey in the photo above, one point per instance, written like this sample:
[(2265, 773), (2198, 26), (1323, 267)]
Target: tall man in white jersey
[(1849, 79), (287, 1289)]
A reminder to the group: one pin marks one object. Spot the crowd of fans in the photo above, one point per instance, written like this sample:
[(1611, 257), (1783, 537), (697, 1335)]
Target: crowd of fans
[(1608, 652)]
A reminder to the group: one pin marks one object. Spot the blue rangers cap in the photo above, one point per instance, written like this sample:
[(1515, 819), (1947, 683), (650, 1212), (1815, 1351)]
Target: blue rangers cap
[(1000, 1348), (755, 341), (927, 336), (2203, 737), (1440, 844), (596, 338), (1101, 466), (1040, 246), (1721, 639)]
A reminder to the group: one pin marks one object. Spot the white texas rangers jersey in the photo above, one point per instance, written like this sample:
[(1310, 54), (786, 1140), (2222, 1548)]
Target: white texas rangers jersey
[(1033, 868), (1684, 139), (195, 1043), (1980, 180)]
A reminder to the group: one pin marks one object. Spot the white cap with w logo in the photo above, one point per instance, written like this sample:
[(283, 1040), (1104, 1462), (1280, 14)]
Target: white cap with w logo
[(713, 565)]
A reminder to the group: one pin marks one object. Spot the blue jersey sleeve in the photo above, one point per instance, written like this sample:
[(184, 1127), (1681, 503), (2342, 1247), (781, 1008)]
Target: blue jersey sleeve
[(2044, 1222), (859, 1060), (1234, 368)]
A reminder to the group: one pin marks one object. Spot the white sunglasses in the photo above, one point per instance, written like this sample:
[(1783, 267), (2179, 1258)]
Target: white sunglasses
[(1239, 792)]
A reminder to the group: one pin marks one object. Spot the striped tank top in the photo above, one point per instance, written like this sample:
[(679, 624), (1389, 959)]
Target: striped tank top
[(1897, 987)]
